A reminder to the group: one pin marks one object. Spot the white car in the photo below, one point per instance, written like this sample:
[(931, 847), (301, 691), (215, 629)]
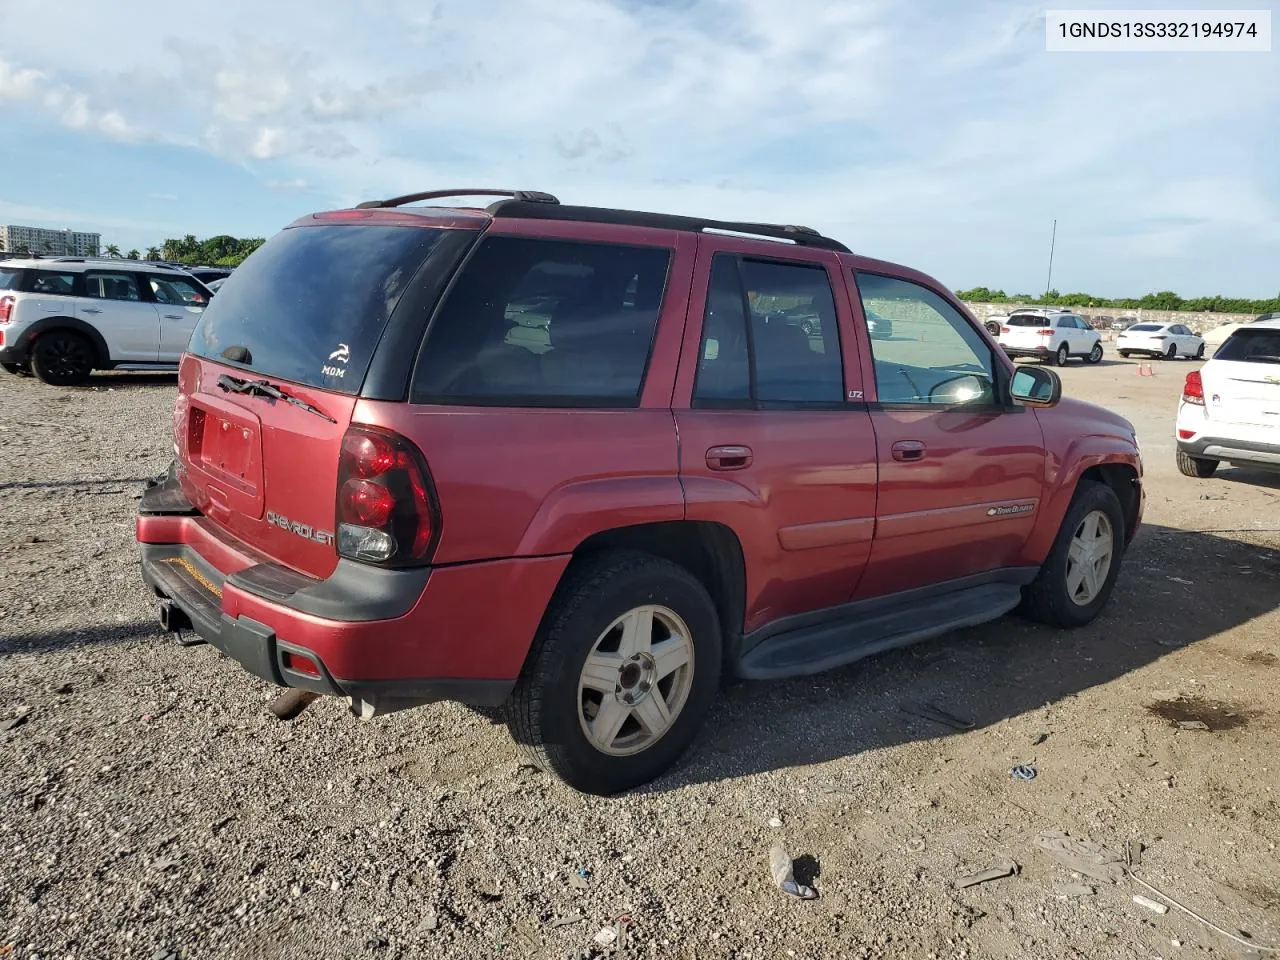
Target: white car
[(63, 318), (1168, 341), (1230, 407), (1053, 335)]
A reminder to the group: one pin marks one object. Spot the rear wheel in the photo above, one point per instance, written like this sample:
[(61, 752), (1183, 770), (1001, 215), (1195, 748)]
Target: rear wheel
[(1124, 353), (621, 675), (62, 358), (1199, 467), (1095, 355), (1080, 572), (993, 328), (1200, 352), (1062, 356), (1172, 352)]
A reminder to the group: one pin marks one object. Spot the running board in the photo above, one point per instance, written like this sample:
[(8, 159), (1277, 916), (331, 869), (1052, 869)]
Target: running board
[(835, 643)]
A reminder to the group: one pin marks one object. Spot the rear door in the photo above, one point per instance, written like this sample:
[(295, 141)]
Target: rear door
[(961, 475), (180, 304), (114, 305), (1242, 381), (775, 440)]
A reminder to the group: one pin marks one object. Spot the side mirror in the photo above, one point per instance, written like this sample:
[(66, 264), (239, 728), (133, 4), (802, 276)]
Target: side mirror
[(1037, 386)]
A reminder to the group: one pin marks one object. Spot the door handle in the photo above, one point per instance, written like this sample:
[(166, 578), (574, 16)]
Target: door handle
[(730, 457), (173, 316), (90, 310), (908, 451)]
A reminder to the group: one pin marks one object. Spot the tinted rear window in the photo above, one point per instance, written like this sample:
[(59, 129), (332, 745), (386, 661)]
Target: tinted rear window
[(1145, 328), (10, 279), (1027, 320), (310, 304), (1257, 346), (545, 323)]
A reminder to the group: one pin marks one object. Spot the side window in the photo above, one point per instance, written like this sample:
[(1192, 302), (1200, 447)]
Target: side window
[(935, 357), (175, 291), (46, 281), (769, 334), (546, 323), (110, 286)]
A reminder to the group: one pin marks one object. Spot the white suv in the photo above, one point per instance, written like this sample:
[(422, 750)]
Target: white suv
[(1230, 408), (63, 318), (1054, 335)]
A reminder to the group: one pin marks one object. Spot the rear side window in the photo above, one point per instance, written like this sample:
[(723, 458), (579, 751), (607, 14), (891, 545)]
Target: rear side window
[(10, 279), (176, 291), (111, 286), (1251, 346), (49, 282), (310, 304), (769, 334), (534, 322)]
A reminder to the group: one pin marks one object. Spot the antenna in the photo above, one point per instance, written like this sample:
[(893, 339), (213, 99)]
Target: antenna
[(1052, 239)]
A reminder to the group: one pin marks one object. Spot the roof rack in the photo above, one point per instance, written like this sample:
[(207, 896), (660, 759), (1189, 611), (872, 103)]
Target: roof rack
[(794, 233), (525, 196)]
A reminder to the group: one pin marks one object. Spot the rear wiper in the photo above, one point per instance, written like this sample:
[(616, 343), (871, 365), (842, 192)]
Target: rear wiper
[(265, 388)]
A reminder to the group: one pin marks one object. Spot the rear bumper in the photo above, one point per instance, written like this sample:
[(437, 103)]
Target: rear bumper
[(389, 638), (1253, 453), (1041, 352), (13, 353)]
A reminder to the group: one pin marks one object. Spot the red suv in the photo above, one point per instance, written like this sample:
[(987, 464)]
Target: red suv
[(582, 462)]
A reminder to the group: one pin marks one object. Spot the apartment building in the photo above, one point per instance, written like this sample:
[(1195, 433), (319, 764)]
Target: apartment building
[(65, 243)]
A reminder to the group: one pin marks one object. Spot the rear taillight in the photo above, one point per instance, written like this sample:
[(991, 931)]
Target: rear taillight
[(1193, 389), (6, 308), (1045, 333), (387, 511), (1004, 330)]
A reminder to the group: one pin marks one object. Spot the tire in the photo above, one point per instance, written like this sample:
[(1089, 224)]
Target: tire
[(1200, 352), (1125, 354), (1049, 599), (1171, 353), (548, 712), (993, 328), (62, 358), (1095, 355), (1062, 356), (1199, 467)]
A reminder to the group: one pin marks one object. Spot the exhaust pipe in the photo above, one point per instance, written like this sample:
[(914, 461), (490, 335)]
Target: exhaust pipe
[(291, 703)]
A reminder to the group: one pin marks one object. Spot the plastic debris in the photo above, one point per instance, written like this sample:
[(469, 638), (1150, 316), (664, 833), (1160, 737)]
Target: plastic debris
[(1192, 725), (1153, 905), (1083, 856), (782, 867), (1024, 771), (606, 936), (1133, 852), (775, 822), (1075, 890), (986, 876)]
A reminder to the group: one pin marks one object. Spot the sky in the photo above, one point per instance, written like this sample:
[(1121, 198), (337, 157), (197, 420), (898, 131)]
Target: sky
[(934, 133)]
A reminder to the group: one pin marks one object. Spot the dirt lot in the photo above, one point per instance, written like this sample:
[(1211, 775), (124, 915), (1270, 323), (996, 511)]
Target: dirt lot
[(151, 808)]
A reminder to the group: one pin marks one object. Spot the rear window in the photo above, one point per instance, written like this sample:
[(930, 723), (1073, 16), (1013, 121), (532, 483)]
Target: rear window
[(1145, 328), (536, 322), (311, 303), (10, 279), (1027, 320), (1251, 346)]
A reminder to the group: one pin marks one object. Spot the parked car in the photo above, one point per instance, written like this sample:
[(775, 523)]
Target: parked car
[(1230, 407), (1218, 335), (208, 274), (1168, 341), (1100, 323), (213, 285), (63, 319), (1048, 334), (387, 493), (1123, 323), (994, 322)]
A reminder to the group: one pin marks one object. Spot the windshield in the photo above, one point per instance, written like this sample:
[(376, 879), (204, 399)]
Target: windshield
[(1145, 328), (1251, 346), (311, 303), (9, 279)]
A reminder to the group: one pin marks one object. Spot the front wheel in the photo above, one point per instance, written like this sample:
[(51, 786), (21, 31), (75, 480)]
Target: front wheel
[(621, 674), (1080, 572), (62, 358), (1095, 355), (1199, 467)]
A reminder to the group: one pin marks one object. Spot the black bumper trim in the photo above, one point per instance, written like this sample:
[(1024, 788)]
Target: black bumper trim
[(14, 353), (1233, 451)]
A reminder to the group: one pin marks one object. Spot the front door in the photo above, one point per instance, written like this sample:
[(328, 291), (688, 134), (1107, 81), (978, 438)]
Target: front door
[(180, 304), (775, 442), (960, 473), (114, 306)]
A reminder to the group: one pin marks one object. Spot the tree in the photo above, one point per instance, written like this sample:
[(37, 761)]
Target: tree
[(112, 251), (153, 253), (21, 247)]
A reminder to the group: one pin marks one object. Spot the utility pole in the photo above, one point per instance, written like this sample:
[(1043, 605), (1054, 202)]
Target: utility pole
[(1049, 284)]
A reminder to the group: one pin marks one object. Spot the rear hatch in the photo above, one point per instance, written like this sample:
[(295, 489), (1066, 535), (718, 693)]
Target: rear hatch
[(1242, 381), (273, 373), (1025, 331)]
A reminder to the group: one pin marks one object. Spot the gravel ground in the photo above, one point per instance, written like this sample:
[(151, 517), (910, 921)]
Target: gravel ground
[(150, 807)]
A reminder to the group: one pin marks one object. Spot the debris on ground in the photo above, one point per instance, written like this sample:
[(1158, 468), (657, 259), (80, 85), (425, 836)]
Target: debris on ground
[(1133, 852), (1074, 890), (1083, 856), (1153, 905), (13, 723), (986, 876), (927, 711), (1024, 771), (782, 867), (606, 936), (775, 822), (580, 879), (1192, 725)]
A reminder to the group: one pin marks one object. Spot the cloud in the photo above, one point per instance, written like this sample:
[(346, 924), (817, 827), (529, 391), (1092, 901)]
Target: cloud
[(297, 183), (18, 83), (166, 197)]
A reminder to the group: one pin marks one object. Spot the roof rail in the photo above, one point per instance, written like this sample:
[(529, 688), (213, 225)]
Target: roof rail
[(799, 235), (528, 196)]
